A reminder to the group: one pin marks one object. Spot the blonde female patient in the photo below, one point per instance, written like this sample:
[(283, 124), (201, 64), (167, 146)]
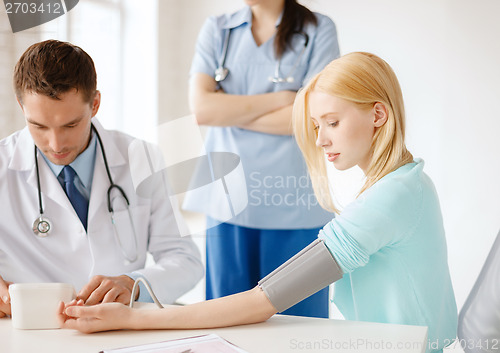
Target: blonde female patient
[(386, 250)]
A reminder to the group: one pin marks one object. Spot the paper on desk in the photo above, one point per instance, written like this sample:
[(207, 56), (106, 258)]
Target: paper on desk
[(200, 344)]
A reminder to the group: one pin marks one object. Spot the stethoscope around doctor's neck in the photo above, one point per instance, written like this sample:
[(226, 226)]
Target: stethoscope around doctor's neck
[(42, 226), (221, 72)]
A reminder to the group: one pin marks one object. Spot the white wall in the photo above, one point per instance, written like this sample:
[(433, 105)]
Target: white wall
[(11, 48), (121, 37), (140, 68), (446, 54), (179, 24)]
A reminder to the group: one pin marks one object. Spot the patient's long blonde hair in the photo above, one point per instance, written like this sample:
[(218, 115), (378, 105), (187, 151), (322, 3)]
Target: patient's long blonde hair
[(364, 79)]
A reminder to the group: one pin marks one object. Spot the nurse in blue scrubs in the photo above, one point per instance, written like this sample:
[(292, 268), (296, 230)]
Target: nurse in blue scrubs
[(246, 71)]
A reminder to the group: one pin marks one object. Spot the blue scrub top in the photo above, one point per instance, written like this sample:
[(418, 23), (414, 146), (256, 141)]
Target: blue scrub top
[(279, 191)]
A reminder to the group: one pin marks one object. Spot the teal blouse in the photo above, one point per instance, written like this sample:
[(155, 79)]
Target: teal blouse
[(391, 245)]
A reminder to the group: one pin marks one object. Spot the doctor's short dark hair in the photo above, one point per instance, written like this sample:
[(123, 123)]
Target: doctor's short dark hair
[(52, 68)]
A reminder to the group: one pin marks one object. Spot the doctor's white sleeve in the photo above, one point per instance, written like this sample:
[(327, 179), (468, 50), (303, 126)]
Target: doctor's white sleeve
[(178, 266)]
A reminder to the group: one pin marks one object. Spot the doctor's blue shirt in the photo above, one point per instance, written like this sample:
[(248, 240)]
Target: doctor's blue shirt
[(279, 191), (83, 166)]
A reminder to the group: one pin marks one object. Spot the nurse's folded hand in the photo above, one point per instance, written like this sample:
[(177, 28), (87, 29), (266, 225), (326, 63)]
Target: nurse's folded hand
[(102, 289), (4, 297)]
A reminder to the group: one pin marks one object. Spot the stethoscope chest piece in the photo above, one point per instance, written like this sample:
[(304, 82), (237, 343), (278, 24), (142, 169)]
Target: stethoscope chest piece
[(221, 74), (41, 227)]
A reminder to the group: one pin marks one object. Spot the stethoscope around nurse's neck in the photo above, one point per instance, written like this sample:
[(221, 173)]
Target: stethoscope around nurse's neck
[(42, 226), (221, 72)]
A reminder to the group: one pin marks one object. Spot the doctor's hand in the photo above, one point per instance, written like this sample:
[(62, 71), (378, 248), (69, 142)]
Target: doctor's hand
[(102, 289), (4, 297), (102, 317)]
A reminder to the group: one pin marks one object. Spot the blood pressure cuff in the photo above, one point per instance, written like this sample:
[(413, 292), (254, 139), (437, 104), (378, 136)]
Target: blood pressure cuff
[(309, 271)]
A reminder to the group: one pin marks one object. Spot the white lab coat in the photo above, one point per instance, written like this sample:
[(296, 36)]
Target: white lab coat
[(71, 255)]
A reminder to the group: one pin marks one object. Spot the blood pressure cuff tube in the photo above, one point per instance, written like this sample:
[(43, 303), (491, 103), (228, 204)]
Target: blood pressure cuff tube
[(309, 271)]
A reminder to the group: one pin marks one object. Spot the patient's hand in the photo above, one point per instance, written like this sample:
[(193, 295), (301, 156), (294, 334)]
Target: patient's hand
[(95, 318), (4, 297)]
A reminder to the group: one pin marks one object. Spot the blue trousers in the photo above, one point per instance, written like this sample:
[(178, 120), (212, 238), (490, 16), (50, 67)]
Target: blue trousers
[(238, 257)]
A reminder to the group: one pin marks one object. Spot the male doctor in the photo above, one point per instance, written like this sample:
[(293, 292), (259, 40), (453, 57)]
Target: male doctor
[(55, 85)]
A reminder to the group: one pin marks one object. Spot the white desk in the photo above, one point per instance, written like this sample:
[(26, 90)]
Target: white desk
[(280, 334)]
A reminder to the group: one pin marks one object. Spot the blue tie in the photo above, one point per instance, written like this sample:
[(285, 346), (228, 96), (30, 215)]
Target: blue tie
[(80, 204)]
